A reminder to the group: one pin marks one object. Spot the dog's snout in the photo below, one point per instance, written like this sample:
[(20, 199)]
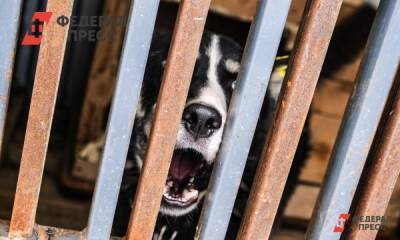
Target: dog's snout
[(201, 121)]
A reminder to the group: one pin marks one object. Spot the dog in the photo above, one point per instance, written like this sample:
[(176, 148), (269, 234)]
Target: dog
[(199, 135), (202, 126)]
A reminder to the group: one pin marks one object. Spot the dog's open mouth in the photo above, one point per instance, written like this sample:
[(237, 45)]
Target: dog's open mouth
[(186, 167)]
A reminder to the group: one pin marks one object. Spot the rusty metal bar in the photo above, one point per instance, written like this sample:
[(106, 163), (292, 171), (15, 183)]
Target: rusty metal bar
[(129, 82), (9, 31), (44, 94), (382, 177), (257, 63), (302, 76), (360, 122), (171, 101), (44, 233)]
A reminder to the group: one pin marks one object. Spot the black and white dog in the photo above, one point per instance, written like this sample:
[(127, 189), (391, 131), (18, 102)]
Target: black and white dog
[(199, 136), (202, 125)]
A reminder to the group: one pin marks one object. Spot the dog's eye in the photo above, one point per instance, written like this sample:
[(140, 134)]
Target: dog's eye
[(233, 84)]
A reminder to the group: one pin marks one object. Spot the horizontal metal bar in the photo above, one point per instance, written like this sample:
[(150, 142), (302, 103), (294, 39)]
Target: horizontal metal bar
[(129, 82), (171, 101), (47, 233), (312, 43), (44, 233), (245, 108), (382, 177), (11, 16), (360, 122), (41, 111)]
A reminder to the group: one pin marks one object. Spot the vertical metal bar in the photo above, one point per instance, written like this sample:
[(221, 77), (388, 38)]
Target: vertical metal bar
[(257, 63), (298, 88), (360, 122), (171, 101), (382, 177), (41, 111), (129, 82), (9, 16)]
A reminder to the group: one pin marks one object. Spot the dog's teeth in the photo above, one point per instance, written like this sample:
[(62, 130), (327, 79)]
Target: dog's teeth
[(190, 194)]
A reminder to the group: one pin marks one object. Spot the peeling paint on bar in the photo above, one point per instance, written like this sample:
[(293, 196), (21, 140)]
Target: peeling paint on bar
[(308, 55), (244, 110), (382, 177), (360, 122), (129, 82), (171, 101), (41, 111), (8, 33)]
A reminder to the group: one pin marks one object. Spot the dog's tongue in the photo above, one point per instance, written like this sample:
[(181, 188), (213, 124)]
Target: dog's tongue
[(183, 165)]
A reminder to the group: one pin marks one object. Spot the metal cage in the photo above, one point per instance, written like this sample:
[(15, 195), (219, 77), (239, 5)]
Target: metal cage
[(364, 110)]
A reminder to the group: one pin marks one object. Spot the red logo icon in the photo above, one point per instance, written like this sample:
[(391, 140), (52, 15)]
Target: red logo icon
[(35, 34), (343, 218)]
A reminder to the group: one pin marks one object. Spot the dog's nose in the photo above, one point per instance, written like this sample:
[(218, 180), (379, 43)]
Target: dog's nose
[(201, 121)]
